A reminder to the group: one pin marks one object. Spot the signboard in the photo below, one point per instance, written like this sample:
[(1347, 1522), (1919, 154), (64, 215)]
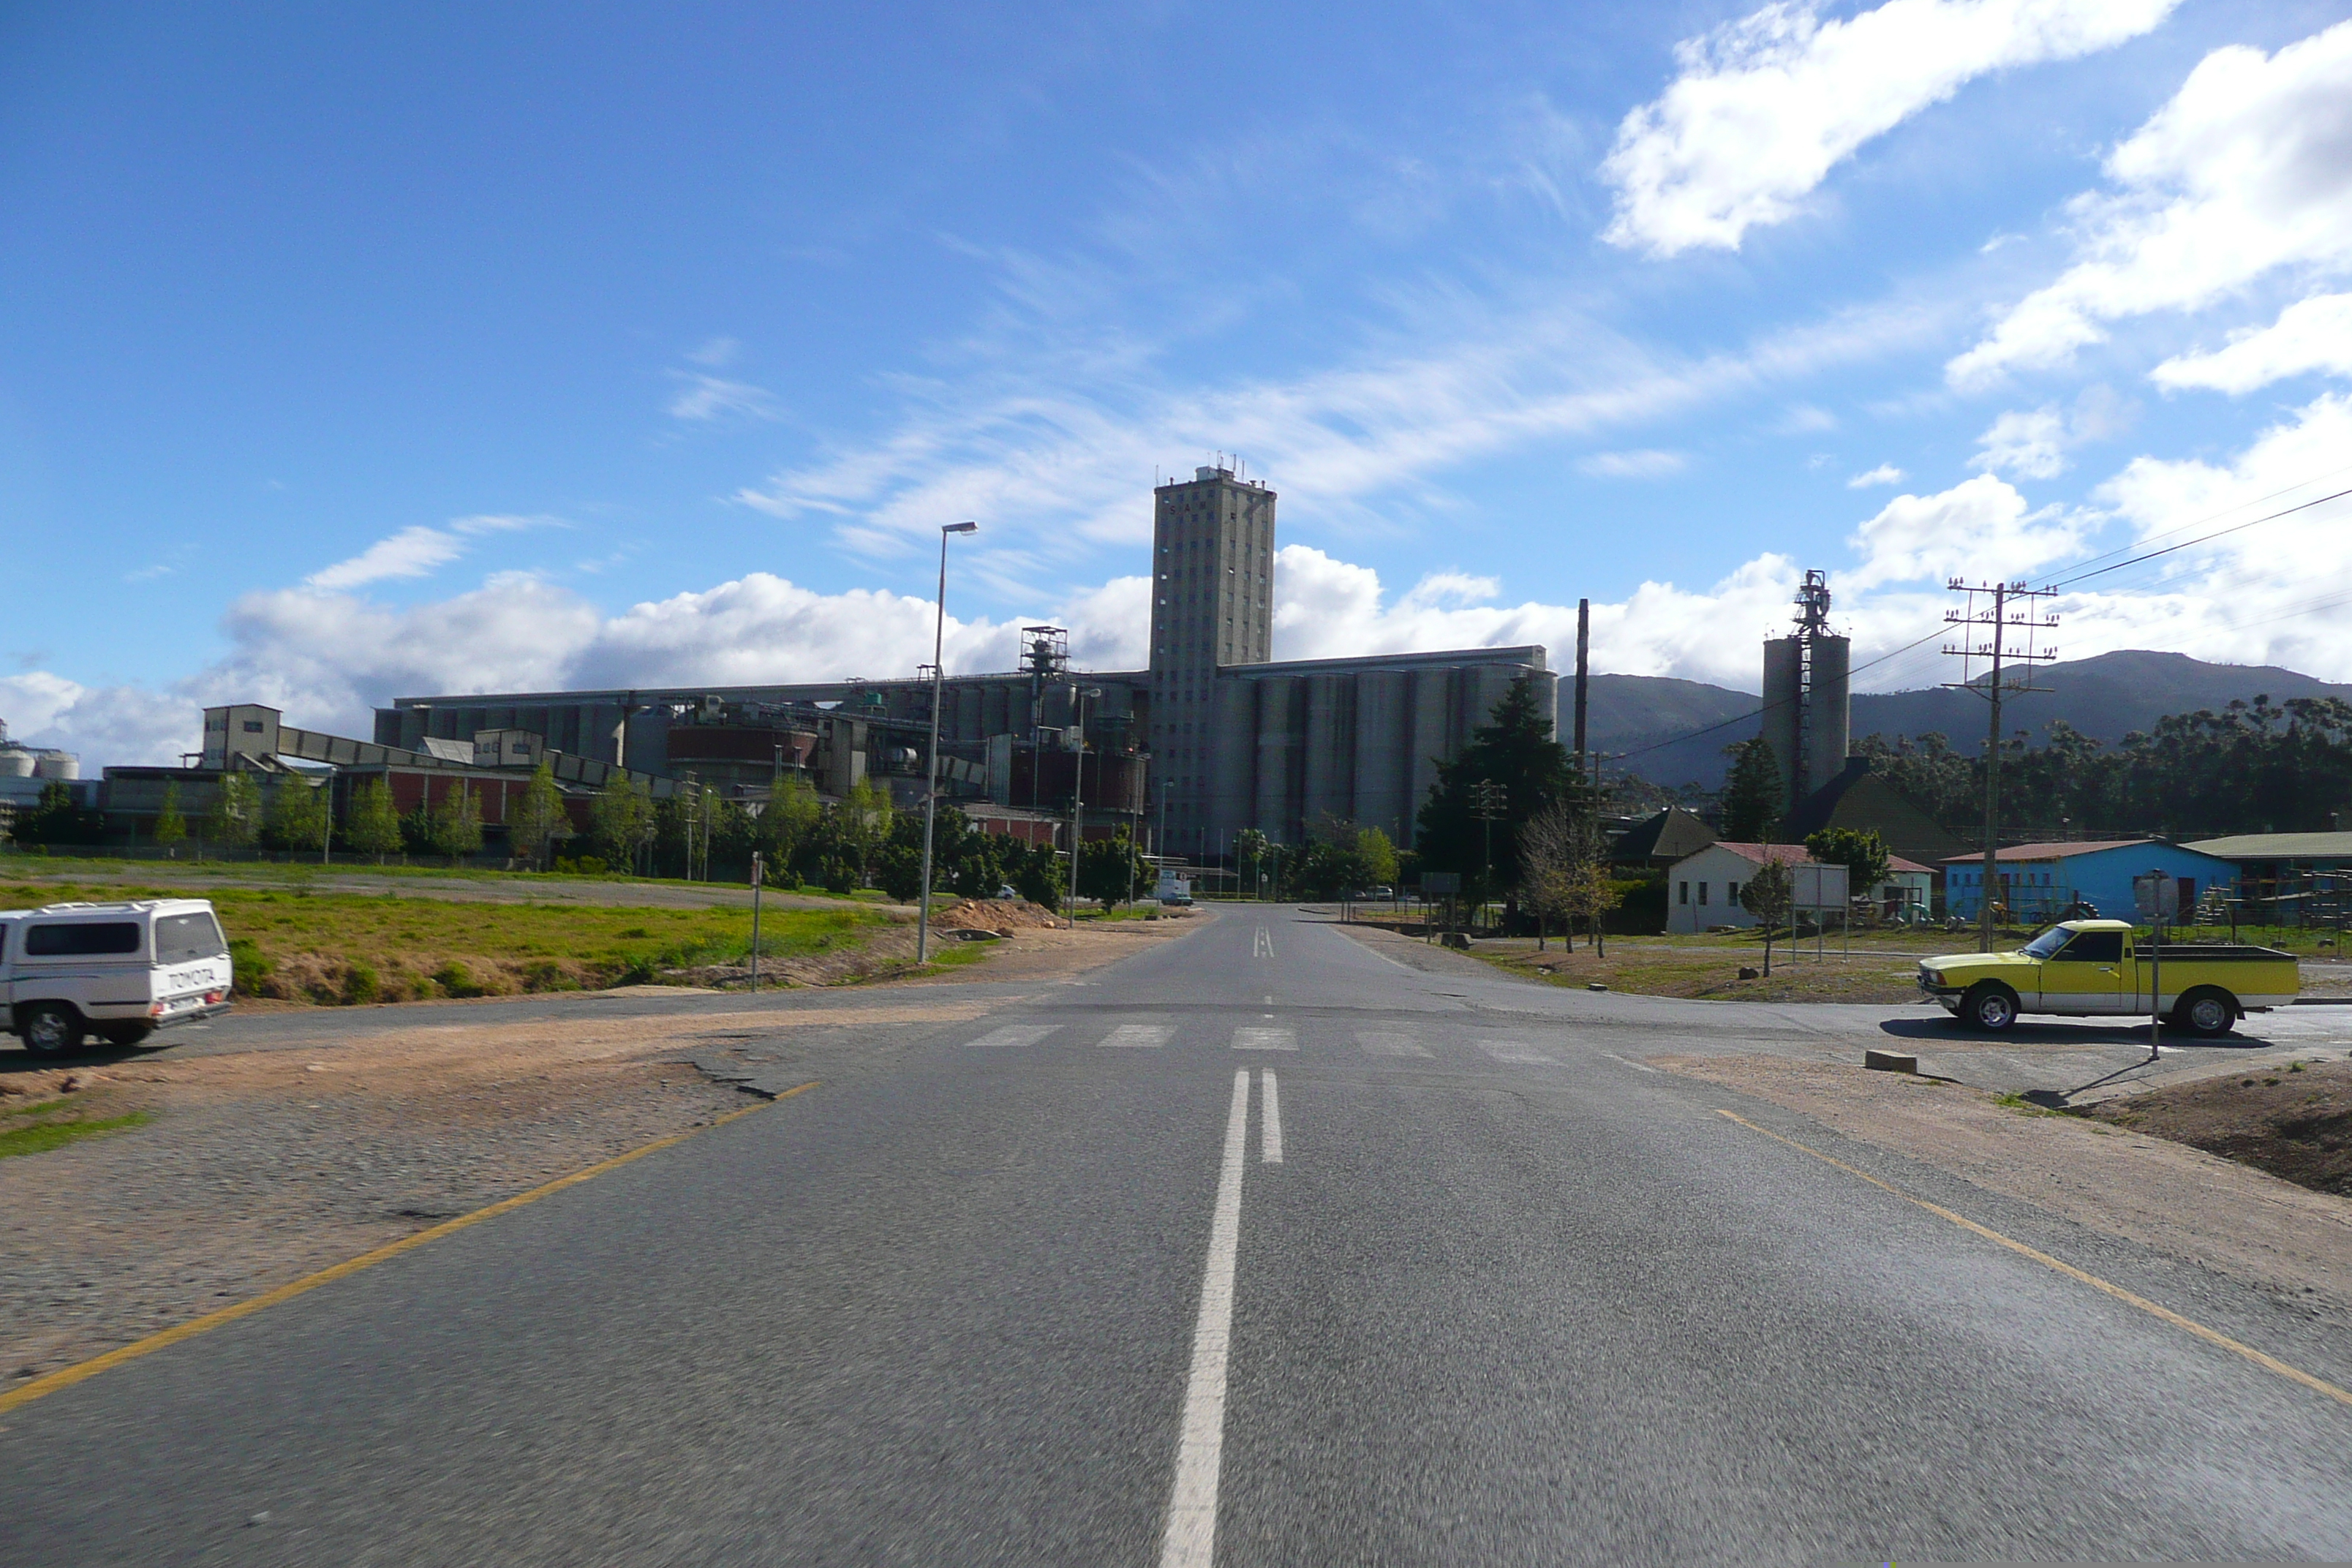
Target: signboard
[(1819, 886), (2157, 896), (1440, 884)]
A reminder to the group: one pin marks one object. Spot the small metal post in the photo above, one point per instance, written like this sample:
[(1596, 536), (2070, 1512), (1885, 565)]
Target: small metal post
[(758, 875)]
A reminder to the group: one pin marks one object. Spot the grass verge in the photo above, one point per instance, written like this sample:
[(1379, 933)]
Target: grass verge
[(37, 1129), (351, 949)]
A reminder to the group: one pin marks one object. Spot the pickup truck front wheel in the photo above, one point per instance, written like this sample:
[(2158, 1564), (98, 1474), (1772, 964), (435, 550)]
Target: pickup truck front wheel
[(2207, 1011), (1989, 1006), (51, 1029)]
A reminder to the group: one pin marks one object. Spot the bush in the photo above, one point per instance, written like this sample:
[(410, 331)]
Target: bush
[(251, 970), (582, 866), (362, 986), (457, 980)]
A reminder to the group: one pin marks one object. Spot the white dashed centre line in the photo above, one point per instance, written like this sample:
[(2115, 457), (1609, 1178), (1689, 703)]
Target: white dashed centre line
[(1269, 1151)]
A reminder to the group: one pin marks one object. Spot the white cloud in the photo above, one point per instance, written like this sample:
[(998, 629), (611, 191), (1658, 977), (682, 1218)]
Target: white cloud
[(1638, 465), (705, 398), (2026, 445), (1978, 527), (2314, 335), (2034, 444), (1766, 106), (2247, 171), (1884, 474), (416, 552)]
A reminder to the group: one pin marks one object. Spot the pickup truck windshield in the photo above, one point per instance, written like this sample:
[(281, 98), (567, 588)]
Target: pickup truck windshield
[(2047, 944), (181, 938)]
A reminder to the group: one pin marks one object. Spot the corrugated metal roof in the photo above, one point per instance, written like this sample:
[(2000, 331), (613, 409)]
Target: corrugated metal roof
[(2064, 851), (2277, 847)]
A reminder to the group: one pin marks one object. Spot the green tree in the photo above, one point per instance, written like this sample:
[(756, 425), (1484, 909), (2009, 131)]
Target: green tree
[(1516, 752), (1036, 873), (1753, 795), (539, 818), (1863, 853), (621, 821), (1250, 847), (866, 819), (456, 823), (297, 817), (1109, 868), (1768, 895), (791, 816), (373, 827), (171, 827), (236, 818), (59, 818)]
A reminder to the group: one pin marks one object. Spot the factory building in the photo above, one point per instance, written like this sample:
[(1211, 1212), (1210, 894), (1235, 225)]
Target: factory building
[(1213, 738)]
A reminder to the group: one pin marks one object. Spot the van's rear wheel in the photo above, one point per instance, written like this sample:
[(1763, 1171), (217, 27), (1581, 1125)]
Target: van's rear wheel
[(1990, 1006), (51, 1029), (2206, 1011)]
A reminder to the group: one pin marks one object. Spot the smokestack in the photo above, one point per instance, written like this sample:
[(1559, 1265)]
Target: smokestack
[(1583, 647)]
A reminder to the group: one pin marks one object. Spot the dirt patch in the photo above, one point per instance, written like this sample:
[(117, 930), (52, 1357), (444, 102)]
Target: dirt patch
[(996, 915), (2293, 1122), (257, 1168), (2163, 1195)]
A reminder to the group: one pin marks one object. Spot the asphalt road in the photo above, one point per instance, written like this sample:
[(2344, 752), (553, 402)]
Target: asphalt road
[(1033, 1288)]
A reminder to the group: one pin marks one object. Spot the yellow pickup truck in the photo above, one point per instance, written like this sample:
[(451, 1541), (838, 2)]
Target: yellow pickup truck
[(2096, 969)]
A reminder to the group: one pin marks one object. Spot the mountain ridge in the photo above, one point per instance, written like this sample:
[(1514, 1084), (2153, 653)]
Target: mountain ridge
[(1648, 719)]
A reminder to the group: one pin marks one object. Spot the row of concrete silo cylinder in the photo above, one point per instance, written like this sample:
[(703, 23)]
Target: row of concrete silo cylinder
[(1362, 745)]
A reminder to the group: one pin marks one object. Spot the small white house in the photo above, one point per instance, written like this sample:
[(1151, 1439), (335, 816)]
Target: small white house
[(1703, 890)]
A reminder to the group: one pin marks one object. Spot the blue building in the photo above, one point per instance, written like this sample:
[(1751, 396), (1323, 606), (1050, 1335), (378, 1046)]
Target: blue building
[(2042, 881)]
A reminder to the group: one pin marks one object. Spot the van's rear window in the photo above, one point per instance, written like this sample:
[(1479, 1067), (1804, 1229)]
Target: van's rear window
[(81, 936), (180, 938)]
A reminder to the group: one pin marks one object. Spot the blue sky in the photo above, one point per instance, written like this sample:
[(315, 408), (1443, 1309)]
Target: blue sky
[(389, 349)]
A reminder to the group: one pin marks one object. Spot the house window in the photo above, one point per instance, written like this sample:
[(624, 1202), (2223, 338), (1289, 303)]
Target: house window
[(1731, 893), (1702, 893), (1682, 892)]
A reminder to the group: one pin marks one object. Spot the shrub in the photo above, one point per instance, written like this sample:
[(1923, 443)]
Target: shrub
[(457, 980), (252, 969), (362, 986)]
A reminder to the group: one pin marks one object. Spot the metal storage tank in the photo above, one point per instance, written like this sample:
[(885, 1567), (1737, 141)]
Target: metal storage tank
[(1827, 711), (1233, 778), (1784, 708), (56, 765), (1383, 728), (16, 762), (1279, 738), (1330, 749), (1431, 738)]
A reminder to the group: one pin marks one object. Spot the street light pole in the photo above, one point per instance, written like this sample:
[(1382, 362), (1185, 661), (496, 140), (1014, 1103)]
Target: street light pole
[(931, 794)]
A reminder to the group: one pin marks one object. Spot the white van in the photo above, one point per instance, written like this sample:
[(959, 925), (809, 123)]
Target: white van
[(118, 971)]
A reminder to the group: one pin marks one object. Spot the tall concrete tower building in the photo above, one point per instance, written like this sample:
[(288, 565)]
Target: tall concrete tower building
[(1211, 605)]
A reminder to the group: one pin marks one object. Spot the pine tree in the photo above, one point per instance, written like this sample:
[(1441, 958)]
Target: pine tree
[(1517, 753), (1753, 793), (374, 827)]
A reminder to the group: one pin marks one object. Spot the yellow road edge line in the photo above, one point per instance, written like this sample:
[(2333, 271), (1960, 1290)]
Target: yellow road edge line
[(2211, 1336), (66, 1377)]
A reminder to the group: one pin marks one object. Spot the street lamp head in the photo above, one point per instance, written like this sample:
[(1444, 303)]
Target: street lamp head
[(959, 528)]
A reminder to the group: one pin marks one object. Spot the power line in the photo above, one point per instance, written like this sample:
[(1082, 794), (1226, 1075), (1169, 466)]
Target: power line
[(1758, 712), (2201, 539), (2217, 516)]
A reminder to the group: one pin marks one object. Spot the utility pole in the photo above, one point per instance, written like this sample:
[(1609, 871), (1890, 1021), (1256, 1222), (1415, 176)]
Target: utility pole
[(1078, 695), (1583, 649), (2002, 616), (1488, 800)]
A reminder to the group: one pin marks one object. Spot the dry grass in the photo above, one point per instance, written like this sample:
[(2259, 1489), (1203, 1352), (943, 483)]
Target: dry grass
[(1709, 968), (348, 949)]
